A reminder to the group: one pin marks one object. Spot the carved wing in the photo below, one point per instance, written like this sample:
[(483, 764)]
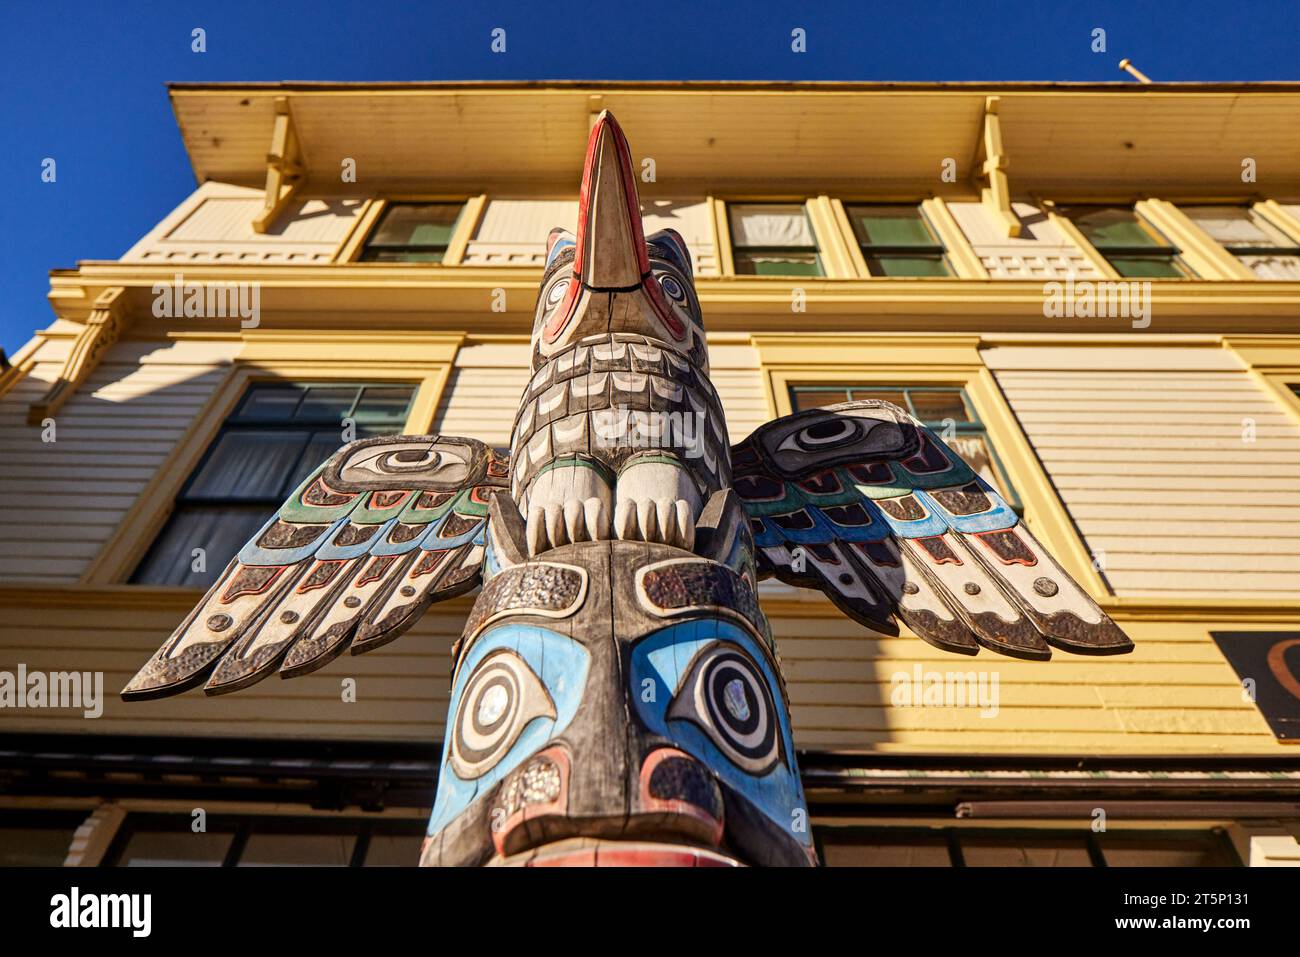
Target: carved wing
[(864, 503), (383, 529)]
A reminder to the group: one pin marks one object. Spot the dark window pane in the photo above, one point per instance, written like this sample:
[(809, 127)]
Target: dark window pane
[(327, 403), (270, 403), (416, 224), (322, 445), (1114, 226), (249, 464), (1143, 267), (816, 398), (936, 405), (394, 850), (402, 256), (885, 852), (175, 849), (974, 450), (1166, 850), (897, 396), (383, 403), (296, 850), (777, 264), (932, 265), (891, 226), (220, 531), (1025, 852), (35, 845)]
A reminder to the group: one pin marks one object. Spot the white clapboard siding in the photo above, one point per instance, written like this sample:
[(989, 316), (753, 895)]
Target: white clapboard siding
[(1182, 482), (513, 232), (1041, 251), (215, 225), (63, 499), (1170, 696), (483, 395)]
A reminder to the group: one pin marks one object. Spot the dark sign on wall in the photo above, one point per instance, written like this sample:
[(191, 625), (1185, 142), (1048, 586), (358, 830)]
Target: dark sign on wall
[(1268, 663)]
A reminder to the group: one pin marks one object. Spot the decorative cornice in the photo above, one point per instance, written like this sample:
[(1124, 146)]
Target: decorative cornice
[(455, 298), (103, 327)]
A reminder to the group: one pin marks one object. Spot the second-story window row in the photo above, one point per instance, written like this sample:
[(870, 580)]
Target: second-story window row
[(900, 240)]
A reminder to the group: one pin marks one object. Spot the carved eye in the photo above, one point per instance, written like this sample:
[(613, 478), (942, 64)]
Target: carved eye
[(500, 699), (826, 433), (673, 289), (556, 294), (394, 460), (727, 696)]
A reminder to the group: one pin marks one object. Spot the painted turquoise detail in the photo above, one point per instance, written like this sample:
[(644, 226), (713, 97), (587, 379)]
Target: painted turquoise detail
[(662, 661), (560, 664)]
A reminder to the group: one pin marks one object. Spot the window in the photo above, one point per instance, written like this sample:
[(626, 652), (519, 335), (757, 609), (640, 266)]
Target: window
[(945, 409), (167, 840), (276, 436), (1261, 246), (852, 846), (1134, 247), (773, 239), (412, 233), (898, 241), (31, 838)]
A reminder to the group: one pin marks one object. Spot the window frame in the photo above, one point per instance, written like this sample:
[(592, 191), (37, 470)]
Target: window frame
[(383, 357), (1260, 210), (53, 819), (963, 261), (939, 247), (233, 421), (242, 825), (1141, 210), (823, 257), (368, 222), (1215, 837), (936, 360)]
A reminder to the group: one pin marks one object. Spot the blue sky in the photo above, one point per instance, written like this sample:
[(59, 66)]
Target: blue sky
[(84, 82)]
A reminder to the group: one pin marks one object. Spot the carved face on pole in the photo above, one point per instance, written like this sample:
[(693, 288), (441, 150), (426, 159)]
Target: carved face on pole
[(618, 703)]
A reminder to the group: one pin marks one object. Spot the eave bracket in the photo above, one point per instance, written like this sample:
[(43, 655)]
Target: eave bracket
[(103, 327), (995, 191), (284, 167)]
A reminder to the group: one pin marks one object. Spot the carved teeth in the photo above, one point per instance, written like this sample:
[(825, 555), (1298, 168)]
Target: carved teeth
[(685, 525), (645, 516), (597, 518), (574, 525), (625, 519), (536, 531)]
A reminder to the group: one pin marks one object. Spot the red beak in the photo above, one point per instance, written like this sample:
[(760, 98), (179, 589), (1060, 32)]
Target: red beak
[(611, 252)]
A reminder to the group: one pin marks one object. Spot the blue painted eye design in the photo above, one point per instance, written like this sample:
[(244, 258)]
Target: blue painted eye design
[(673, 288), (502, 697), (726, 696), (556, 293)]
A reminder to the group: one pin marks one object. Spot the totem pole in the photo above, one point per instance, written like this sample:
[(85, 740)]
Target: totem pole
[(617, 696)]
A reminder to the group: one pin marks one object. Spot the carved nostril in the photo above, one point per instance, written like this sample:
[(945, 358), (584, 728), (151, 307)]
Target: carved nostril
[(684, 779), (537, 789), (677, 783)]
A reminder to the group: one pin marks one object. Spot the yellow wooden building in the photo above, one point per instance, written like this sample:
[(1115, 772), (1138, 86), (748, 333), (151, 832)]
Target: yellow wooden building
[(1093, 290)]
